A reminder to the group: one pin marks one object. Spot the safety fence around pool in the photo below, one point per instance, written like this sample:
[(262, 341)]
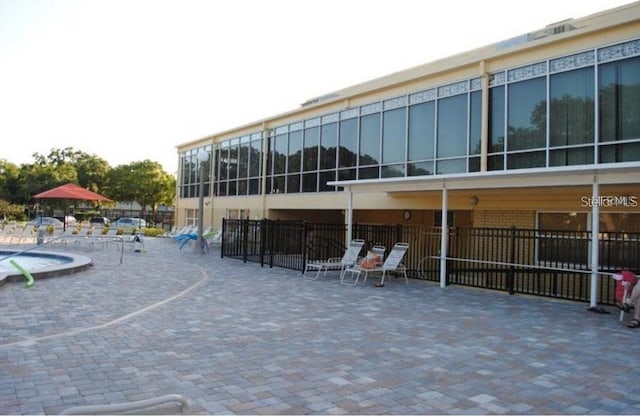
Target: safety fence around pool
[(550, 263)]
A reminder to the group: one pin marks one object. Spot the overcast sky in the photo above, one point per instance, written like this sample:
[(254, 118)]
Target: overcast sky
[(129, 80)]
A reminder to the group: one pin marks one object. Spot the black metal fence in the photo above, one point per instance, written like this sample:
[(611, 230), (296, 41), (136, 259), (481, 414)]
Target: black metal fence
[(536, 262)]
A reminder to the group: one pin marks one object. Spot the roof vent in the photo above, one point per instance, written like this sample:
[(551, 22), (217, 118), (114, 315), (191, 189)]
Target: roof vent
[(319, 99), (549, 30)]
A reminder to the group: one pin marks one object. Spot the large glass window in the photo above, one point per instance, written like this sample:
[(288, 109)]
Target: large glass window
[(527, 114), (393, 135), (348, 143), (279, 151), (452, 126), (475, 131), (310, 157), (421, 139), (496, 119), (571, 108), (370, 140), (619, 89), (295, 151), (328, 146)]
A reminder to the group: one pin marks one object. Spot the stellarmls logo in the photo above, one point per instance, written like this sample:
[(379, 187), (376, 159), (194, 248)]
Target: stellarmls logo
[(609, 201)]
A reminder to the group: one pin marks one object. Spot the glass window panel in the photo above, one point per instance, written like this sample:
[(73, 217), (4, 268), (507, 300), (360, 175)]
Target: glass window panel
[(394, 126), (474, 164), (629, 152), (348, 143), (310, 182), (525, 160), (311, 148), (419, 168), (325, 177), (254, 187), (475, 122), (452, 126), (572, 107), (619, 86), (372, 172), (278, 184), (232, 188), (233, 159), (242, 187), (243, 160), (451, 166), (280, 154), (620, 222), (421, 131), (255, 158), (328, 146), (295, 152), (346, 174), (562, 221), (496, 119), (527, 106), (571, 156), (495, 162), (222, 189), (293, 183), (370, 139), (393, 171)]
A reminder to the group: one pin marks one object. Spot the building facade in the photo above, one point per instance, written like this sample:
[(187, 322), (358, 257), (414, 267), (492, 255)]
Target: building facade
[(538, 131)]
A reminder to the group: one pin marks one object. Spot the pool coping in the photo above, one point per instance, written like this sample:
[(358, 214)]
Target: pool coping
[(78, 263)]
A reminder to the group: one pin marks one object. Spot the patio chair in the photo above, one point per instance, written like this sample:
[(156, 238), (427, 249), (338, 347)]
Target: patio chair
[(170, 404), (393, 263), (349, 258)]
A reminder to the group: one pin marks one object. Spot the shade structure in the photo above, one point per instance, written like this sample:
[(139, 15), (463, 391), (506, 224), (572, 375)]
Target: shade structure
[(71, 191)]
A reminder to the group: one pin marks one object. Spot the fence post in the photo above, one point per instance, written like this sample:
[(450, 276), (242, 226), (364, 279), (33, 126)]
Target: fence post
[(245, 239), (224, 226), (305, 247), (512, 260), (263, 240)]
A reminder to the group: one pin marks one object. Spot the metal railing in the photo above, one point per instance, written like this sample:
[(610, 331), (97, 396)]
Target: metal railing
[(550, 263)]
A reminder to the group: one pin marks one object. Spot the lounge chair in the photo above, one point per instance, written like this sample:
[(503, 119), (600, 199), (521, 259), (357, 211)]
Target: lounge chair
[(170, 404), (335, 263), (393, 263)]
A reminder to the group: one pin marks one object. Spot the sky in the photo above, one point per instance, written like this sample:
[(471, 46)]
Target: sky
[(129, 80)]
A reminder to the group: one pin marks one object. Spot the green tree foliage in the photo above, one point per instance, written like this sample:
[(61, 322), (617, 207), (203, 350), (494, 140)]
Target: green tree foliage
[(143, 182)]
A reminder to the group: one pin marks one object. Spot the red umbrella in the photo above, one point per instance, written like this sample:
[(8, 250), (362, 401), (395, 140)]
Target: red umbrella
[(71, 191)]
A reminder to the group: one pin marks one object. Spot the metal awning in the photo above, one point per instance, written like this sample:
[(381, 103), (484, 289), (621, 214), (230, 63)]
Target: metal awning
[(593, 176)]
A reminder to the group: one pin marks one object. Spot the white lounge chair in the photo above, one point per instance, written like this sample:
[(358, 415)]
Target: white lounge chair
[(335, 263), (393, 263)]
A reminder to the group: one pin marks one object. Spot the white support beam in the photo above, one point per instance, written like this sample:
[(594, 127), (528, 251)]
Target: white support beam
[(444, 238), (595, 241)]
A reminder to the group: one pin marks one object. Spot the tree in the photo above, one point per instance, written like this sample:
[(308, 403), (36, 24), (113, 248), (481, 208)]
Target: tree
[(143, 182)]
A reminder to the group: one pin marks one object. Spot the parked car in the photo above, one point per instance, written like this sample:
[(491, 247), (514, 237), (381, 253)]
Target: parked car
[(70, 220), (46, 221), (100, 221), (127, 222)]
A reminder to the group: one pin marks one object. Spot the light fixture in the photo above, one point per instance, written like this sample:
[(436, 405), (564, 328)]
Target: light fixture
[(473, 201), (203, 156)]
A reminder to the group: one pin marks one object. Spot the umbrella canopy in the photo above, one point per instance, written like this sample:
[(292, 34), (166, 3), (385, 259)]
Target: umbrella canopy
[(71, 191)]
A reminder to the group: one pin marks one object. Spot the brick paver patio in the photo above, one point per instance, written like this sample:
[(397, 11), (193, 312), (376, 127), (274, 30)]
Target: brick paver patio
[(235, 338)]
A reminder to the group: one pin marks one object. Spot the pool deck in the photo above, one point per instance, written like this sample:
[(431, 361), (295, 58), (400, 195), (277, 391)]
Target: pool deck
[(236, 338)]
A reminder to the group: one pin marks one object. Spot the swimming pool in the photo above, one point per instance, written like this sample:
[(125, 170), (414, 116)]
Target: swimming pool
[(41, 264)]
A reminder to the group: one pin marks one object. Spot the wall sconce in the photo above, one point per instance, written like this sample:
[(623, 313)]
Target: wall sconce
[(473, 201)]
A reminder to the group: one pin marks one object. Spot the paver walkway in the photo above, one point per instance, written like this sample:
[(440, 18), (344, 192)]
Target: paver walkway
[(235, 338)]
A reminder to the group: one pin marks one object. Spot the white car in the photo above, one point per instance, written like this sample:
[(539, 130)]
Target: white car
[(46, 221), (126, 222)]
